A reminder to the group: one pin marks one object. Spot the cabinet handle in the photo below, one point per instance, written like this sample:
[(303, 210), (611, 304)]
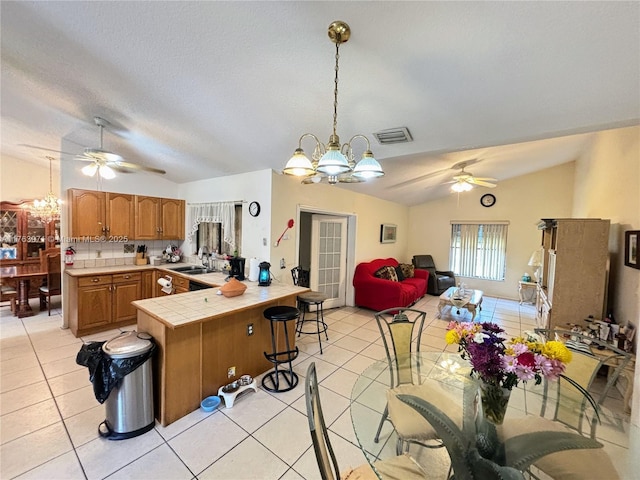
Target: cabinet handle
[(127, 277), (95, 280)]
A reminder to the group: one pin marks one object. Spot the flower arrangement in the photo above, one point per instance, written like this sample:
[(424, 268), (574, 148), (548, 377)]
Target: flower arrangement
[(504, 363)]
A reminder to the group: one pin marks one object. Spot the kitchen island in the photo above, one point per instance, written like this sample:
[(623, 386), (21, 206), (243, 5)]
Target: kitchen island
[(201, 335)]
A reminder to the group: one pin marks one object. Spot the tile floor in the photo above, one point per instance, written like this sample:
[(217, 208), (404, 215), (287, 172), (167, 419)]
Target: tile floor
[(49, 415)]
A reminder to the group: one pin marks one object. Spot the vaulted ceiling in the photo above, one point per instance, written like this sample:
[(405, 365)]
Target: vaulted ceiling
[(206, 89)]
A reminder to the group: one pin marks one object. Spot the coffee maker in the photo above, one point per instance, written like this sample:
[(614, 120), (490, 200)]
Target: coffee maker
[(237, 268)]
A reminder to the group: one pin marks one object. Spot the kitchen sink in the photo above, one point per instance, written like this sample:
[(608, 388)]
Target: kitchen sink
[(192, 270)]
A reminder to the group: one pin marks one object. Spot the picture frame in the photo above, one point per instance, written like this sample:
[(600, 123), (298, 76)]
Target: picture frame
[(631, 248), (388, 233)]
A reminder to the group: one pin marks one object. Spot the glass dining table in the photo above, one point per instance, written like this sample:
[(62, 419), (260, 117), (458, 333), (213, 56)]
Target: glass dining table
[(474, 437)]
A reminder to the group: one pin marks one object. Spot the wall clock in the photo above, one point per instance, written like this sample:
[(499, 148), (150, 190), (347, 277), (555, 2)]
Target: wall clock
[(487, 200), (254, 209)]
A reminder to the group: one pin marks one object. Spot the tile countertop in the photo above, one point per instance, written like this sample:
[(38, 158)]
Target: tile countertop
[(213, 279), (196, 306)]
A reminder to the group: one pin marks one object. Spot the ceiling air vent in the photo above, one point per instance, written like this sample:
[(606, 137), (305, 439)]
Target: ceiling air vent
[(393, 135)]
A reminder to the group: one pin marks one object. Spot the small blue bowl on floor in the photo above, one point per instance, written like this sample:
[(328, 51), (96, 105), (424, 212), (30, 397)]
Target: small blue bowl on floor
[(209, 404)]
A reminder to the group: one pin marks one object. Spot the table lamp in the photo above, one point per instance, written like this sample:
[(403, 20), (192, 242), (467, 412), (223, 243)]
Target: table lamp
[(536, 261)]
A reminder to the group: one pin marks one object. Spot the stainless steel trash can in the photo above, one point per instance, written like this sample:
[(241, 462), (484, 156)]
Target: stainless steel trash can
[(129, 407)]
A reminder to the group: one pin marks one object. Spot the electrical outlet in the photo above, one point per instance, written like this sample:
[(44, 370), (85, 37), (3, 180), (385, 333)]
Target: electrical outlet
[(264, 242), (249, 329), (282, 264), (231, 372)]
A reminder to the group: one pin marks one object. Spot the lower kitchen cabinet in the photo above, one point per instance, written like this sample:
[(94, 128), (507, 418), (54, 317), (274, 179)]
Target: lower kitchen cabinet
[(103, 302)]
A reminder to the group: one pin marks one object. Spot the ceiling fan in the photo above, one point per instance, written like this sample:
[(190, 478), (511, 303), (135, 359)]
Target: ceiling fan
[(105, 162), (464, 181)]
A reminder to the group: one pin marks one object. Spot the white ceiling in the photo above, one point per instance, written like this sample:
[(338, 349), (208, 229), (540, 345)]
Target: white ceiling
[(206, 89)]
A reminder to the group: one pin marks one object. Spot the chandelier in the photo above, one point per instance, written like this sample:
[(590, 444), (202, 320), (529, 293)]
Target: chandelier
[(47, 209), (334, 162)]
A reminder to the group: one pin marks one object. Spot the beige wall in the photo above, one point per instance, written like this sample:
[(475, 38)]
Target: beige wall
[(20, 180), (607, 186), (522, 201), (289, 195)]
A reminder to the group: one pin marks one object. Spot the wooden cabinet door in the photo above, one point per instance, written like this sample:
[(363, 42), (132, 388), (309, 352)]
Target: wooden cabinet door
[(120, 216), (148, 283), (123, 295), (87, 213), (147, 212), (172, 219), (94, 306)]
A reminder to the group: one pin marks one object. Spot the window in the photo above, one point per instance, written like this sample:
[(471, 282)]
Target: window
[(211, 235), (479, 250)]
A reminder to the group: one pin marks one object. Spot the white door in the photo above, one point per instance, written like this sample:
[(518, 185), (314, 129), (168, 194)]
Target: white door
[(329, 258)]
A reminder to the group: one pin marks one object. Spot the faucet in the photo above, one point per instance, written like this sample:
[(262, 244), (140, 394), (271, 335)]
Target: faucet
[(205, 256)]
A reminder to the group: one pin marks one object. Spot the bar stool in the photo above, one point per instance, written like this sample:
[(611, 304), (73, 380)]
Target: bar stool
[(282, 314), (305, 300)]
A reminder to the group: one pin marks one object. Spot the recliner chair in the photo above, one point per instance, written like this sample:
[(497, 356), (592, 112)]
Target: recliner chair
[(439, 280)]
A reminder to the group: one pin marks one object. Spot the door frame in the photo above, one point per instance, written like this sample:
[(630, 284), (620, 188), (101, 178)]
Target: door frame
[(352, 220)]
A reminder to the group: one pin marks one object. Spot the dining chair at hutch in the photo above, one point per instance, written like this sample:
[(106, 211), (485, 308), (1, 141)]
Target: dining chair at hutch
[(50, 262), (401, 329), (8, 293), (401, 467)]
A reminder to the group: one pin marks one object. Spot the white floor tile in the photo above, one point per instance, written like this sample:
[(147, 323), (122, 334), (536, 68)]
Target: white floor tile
[(27, 420), (159, 464), (254, 409), (286, 435), (23, 397), (249, 460), (65, 466)]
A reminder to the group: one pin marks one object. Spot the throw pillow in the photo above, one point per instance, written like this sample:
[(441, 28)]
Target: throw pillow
[(387, 273), (408, 270), (399, 273)]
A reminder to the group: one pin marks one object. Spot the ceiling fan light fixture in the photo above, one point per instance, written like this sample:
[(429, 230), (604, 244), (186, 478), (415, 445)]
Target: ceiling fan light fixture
[(106, 172), (90, 170), (461, 187), (331, 161)]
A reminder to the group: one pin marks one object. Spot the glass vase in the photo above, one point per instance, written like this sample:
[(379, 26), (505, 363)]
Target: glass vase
[(495, 400)]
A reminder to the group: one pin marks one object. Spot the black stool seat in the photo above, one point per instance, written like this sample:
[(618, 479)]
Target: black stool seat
[(305, 300), (283, 314)]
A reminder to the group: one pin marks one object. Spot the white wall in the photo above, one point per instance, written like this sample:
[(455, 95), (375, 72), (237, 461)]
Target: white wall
[(523, 201), (20, 180), (247, 187)]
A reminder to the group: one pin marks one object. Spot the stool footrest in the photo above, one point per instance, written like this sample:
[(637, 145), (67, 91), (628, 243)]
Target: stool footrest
[(289, 356)]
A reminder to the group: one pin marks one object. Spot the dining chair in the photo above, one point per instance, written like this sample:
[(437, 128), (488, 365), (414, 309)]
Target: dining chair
[(401, 467), (401, 329), (8, 293), (51, 263), (589, 355)]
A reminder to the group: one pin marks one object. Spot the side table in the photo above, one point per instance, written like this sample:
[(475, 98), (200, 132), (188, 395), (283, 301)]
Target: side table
[(524, 287)]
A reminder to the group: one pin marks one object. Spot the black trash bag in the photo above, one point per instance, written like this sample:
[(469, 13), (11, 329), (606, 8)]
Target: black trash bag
[(105, 372)]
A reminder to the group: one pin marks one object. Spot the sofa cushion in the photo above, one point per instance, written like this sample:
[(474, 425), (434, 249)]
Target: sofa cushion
[(387, 272), (408, 270), (399, 273)]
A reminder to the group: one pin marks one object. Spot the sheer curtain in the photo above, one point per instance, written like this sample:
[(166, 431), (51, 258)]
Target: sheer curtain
[(479, 250), (220, 212)]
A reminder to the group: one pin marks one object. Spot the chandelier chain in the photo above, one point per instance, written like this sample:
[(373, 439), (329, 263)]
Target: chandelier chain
[(335, 92)]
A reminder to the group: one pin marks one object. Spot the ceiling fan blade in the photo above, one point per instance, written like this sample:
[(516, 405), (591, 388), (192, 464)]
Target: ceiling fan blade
[(45, 149), (135, 166), (418, 179), (486, 179), (481, 183)]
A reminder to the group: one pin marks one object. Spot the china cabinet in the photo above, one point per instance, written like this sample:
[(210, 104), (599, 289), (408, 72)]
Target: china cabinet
[(23, 236), (574, 276)]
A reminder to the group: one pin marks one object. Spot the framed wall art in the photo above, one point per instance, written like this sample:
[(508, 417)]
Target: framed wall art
[(631, 248), (388, 233)]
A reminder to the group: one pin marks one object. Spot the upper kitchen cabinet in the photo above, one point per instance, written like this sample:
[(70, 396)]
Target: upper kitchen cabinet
[(96, 214), (159, 218)]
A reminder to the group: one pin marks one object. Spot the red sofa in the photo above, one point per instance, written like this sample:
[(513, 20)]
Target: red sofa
[(379, 294)]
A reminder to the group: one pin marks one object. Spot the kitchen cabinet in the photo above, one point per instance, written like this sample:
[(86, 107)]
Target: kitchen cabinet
[(23, 236), (101, 214), (159, 218), (103, 302), (149, 281), (574, 277), (180, 283)]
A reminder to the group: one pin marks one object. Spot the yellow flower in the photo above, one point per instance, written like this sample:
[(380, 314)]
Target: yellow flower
[(452, 337), (557, 350)]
